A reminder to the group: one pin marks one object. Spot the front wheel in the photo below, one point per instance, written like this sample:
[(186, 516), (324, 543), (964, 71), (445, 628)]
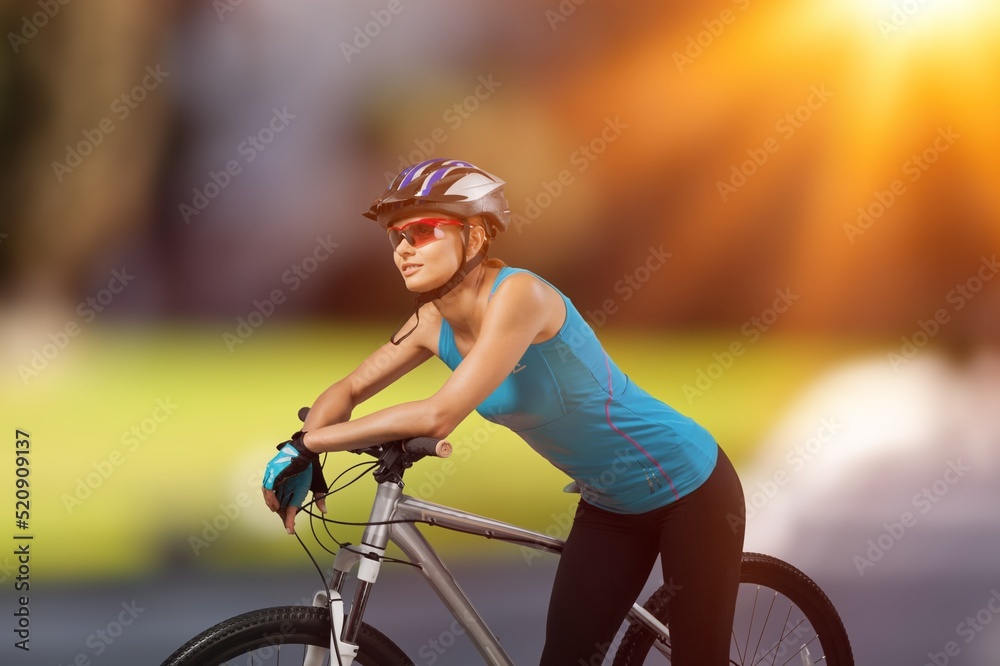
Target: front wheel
[(280, 635), (782, 617)]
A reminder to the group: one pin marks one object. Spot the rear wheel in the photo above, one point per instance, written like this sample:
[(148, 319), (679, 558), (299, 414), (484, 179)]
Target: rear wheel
[(782, 617), (280, 635)]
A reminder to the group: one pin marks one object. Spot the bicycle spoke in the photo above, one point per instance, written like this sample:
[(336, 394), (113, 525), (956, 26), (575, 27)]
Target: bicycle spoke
[(780, 639), (753, 612), (799, 652), (271, 656), (774, 647), (764, 627), (810, 634), (794, 634)]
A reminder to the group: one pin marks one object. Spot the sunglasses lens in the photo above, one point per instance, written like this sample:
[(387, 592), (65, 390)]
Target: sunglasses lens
[(421, 234), (395, 237), (416, 234)]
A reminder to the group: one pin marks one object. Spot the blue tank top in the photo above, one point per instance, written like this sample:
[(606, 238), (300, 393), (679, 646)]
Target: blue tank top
[(628, 451)]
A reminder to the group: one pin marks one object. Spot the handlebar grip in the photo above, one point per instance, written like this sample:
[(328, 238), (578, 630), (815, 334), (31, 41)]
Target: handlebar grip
[(428, 446)]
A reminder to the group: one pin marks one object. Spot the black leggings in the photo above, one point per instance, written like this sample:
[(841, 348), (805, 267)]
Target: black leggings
[(608, 558)]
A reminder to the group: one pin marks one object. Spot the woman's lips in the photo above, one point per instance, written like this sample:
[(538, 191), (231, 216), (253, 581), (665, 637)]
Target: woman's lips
[(410, 269)]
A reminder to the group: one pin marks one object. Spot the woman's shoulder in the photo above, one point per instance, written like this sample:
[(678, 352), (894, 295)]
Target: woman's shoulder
[(514, 274), (529, 292), (530, 285)]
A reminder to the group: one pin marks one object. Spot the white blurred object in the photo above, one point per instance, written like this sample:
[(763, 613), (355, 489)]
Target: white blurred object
[(899, 467)]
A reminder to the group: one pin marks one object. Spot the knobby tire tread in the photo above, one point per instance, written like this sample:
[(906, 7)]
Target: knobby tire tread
[(310, 625)]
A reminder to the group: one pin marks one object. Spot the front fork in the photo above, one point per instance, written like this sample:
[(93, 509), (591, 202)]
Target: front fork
[(316, 656), (368, 558)]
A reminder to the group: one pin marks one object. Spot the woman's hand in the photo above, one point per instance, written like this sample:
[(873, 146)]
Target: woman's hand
[(289, 476)]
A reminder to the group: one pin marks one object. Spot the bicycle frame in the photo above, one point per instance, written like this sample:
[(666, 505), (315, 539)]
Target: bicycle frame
[(391, 504)]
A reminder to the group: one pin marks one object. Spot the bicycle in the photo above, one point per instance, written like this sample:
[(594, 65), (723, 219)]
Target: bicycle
[(808, 631)]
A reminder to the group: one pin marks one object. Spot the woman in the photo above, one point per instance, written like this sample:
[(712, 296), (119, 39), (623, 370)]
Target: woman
[(653, 482)]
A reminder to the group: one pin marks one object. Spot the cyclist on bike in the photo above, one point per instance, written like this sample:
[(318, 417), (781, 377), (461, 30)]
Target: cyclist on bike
[(652, 481)]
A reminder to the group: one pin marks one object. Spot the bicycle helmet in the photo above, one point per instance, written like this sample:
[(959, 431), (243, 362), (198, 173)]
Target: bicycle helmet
[(457, 188), (454, 187)]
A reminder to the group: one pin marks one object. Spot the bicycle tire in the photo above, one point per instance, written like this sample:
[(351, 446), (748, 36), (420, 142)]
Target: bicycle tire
[(758, 571), (263, 630)]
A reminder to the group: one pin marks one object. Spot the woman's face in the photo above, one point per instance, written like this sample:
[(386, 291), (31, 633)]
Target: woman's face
[(438, 251)]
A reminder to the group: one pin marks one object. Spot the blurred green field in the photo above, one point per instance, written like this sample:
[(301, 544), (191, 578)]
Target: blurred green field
[(148, 443)]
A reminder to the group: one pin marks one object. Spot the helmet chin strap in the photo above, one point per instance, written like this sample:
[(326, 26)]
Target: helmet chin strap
[(433, 294)]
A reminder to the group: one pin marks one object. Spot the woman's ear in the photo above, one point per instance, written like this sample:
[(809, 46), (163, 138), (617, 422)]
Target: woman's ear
[(477, 238)]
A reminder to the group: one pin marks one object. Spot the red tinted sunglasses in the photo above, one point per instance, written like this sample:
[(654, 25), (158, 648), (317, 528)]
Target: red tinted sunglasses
[(420, 232)]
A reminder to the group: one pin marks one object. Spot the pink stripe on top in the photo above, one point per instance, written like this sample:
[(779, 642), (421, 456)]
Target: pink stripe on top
[(607, 415)]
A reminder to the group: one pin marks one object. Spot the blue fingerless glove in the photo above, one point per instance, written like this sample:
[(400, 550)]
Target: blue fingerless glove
[(292, 490), (293, 472)]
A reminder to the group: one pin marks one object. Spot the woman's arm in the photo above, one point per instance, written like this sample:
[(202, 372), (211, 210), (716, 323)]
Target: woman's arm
[(384, 366), (334, 405), (515, 316)]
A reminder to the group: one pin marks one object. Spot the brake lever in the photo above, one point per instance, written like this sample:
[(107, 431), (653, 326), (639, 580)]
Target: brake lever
[(374, 451)]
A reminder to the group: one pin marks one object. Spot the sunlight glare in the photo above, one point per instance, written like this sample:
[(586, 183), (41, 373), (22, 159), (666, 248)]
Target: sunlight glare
[(899, 18)]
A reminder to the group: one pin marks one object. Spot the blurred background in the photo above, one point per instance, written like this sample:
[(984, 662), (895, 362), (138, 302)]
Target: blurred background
[(781, 217)]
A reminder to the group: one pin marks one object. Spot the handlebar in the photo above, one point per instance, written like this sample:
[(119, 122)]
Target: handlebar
[(414, 447), (427, 446)]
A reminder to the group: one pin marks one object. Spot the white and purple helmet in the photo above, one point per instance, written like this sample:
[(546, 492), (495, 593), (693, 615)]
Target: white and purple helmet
[(447, 186)]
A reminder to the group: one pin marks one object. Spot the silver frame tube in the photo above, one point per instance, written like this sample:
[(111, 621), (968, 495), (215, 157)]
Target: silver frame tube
[(410, 508), (419, 551), (391, 505)]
